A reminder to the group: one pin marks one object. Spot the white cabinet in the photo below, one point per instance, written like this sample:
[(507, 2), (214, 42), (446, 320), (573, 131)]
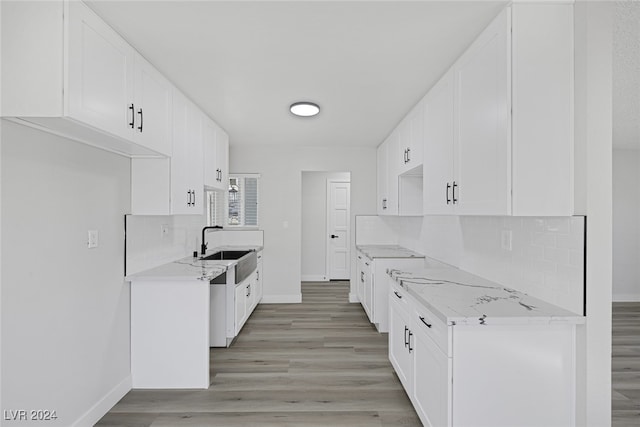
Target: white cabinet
[(388, 176), (438, 178), (499, 124), (410, 132), (71, 74), (496, 375), (240, 300), (216, 156), (400, 338), (373, 285), (186, 162), (153, 95), (482, 175), (173, 186)]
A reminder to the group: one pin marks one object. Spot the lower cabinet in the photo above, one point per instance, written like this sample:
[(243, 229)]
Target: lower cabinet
[(372, 286), (500, 375)]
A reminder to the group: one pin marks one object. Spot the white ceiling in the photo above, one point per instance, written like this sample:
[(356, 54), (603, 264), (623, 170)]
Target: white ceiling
[(244, 62)]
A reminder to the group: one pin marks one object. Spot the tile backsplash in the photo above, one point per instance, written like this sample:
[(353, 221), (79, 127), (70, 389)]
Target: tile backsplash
[(543, 257), (148, 246)]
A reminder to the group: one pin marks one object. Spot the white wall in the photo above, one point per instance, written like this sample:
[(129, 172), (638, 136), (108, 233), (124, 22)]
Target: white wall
[(281, 199), (65, 308), (314, 223), (626, 225)]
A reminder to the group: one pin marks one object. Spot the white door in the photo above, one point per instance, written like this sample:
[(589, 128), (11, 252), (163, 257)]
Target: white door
[(338, 247)]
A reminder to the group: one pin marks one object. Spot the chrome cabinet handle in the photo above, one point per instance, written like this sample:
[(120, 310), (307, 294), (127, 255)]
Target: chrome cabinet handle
[(133, 116), (141, 120)]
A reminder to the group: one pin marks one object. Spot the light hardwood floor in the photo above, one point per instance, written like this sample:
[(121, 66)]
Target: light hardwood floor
[(317, 363), (626, 365)]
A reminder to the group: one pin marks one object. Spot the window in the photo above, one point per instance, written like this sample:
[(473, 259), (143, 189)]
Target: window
[(243, 200), (215, 208)]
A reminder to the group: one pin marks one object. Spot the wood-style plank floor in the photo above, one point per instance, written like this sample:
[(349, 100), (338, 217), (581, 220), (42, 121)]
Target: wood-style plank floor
[(625, 365), (318, 363)]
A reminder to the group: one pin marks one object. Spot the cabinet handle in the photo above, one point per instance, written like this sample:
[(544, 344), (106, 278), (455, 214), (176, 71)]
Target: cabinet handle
[(189, 198), (454, 193), (133, 116), (406, 341), (193, 193), (384, 203), (397, 294), (248, 290), (408, 155), (448, 188), (410, 348), (362, 276), (423, 321), (141, 120)]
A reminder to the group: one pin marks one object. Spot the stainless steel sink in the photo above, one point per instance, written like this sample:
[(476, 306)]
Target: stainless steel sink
[(229, 255), (247, 262)]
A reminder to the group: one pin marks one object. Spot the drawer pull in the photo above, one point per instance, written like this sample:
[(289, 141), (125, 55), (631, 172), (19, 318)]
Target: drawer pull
[(423, 321), (397, 294)]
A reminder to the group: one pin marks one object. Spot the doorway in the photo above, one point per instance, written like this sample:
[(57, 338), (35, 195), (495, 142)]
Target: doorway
[(326, 226)]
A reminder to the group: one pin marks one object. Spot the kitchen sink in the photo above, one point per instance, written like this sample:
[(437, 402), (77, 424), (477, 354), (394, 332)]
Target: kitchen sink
[(231, 255)]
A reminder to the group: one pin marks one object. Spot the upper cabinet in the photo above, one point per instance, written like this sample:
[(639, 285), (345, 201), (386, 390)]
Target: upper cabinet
[(410, 132), (73, 75), (216, 156), (498, 126)]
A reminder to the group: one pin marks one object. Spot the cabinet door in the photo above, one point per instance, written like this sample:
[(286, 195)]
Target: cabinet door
[(100, 74), (186, 161), (153, 107), (431, 381), (483, 140), (360, 282), (210, 156), (240, 314), (383, 179), (392, 174), (368, 290), (399, 340), (222, 156), (437, 171), (410, 140)]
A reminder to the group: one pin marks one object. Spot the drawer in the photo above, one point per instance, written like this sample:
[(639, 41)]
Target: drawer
[(427, 322), (398, 295)]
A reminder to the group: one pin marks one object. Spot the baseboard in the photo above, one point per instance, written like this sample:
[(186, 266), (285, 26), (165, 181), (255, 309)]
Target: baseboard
[(281, 299), (314, 278), (626, 297), (104, 405), (353, 298)]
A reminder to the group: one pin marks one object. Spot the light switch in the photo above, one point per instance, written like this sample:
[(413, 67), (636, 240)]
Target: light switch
[(92, 239)]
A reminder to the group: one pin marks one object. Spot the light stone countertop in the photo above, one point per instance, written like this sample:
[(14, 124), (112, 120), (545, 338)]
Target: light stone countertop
[(190, 268), (387, 251), (458, 297)]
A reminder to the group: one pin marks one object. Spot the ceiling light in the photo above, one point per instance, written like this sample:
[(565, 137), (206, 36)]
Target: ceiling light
[(304, 109)]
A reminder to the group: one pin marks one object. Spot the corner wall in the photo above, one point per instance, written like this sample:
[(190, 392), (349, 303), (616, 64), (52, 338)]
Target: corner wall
[(65, 308), (626, 225), (281, 200)]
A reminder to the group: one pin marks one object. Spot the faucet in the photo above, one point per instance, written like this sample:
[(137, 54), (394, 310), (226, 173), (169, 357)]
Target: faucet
[(203, 247)]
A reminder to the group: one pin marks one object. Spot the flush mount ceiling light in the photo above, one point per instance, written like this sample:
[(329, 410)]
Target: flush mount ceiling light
[(304, 109)]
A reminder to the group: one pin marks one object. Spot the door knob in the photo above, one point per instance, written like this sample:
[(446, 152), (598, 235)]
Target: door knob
[(333, 236)]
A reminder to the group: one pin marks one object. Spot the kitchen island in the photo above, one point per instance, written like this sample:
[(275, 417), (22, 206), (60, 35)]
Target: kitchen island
[(472, 352), (171, 318)]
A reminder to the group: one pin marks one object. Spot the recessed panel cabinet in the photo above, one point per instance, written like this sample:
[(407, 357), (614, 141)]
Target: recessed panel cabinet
[(74, 76), (216, 156), (498, 126)]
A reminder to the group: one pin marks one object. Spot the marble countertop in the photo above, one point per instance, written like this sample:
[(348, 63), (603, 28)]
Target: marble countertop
[(458, 297), (387, 251), (190, 268)]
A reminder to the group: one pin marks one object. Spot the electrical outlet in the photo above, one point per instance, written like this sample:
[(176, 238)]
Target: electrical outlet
[(164, 230), (506, 241), (92, 239)]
